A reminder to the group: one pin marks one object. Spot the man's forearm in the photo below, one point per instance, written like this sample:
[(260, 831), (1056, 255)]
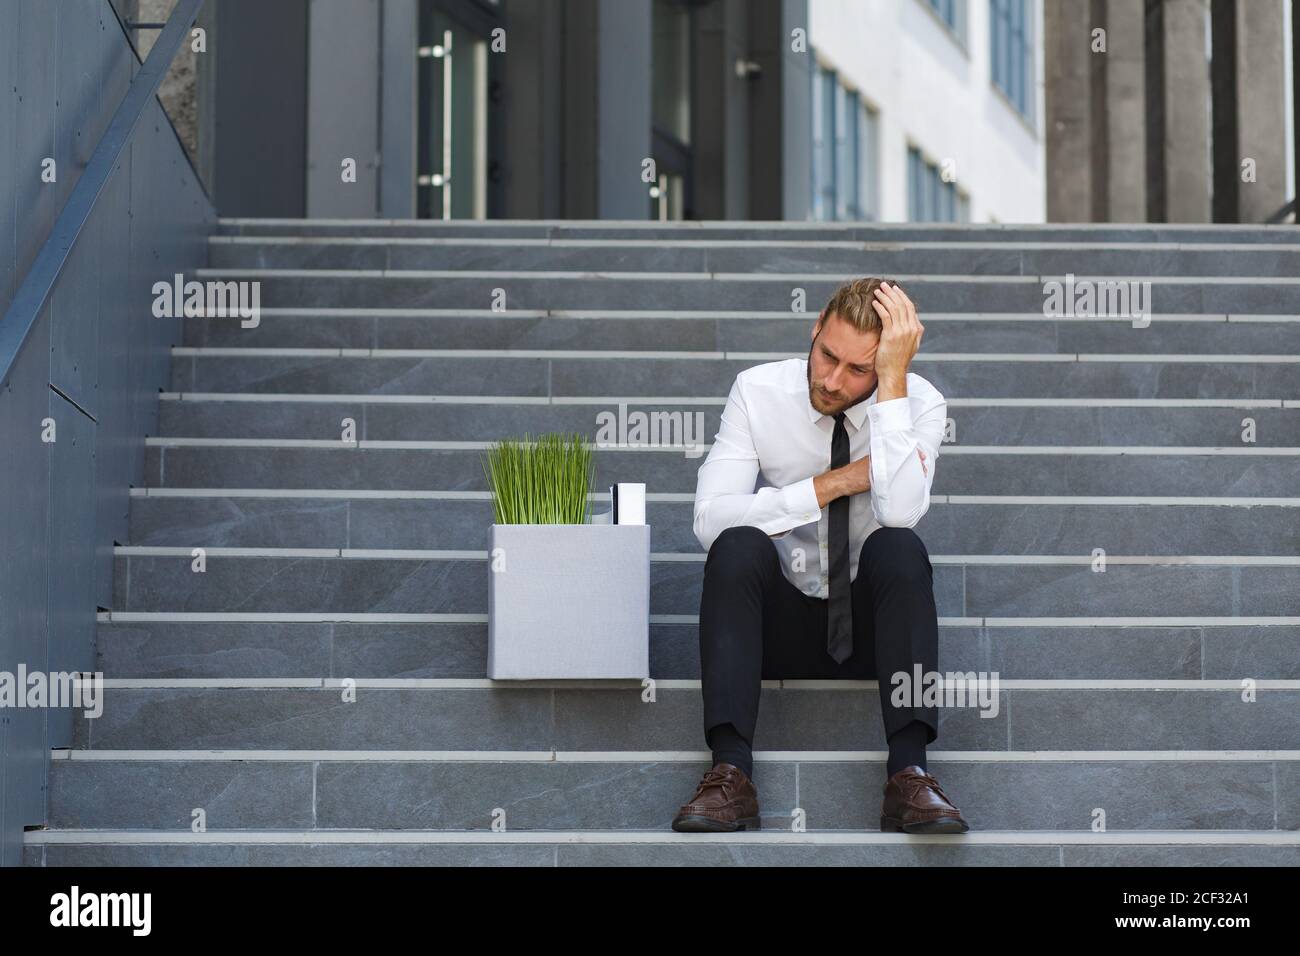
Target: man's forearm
[(838, 482), (828, 487), (891, 387)]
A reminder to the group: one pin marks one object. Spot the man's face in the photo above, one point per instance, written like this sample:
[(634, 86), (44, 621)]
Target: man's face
[(841, 365)]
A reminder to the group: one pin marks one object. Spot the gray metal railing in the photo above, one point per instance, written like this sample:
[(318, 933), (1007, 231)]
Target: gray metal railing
[(1281, 214), (33, 295)]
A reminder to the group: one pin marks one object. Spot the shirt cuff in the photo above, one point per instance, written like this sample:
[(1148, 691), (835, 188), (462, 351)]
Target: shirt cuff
[(891, 416), (800, 500)]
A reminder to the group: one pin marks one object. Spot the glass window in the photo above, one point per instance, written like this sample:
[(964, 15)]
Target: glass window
[(868, 163), (929, 198), (913, 184), (671, 69), (824, 144), (953, 13), (845, 164), (1010, 51), (846, 154)]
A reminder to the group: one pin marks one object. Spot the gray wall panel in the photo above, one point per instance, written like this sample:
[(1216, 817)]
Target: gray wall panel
[(71, 612), (259, 142), (81, 45), (342, 107), (74, 322), (67, 502), (114, 409), (85, 54), (623, 107), (10, 836), (796, 94), (397, 110), (166, 241), (24, 403), (35, 130), (8, 172), (11, 847)]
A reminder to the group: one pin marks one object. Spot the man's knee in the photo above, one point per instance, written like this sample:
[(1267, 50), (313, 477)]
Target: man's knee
[(897, 553), (738, 549)]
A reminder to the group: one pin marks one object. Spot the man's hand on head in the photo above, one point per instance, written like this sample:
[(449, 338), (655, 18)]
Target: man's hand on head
[(900, 338)]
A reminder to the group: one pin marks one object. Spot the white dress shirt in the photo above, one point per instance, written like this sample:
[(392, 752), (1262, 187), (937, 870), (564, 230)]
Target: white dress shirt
[(770, 433)]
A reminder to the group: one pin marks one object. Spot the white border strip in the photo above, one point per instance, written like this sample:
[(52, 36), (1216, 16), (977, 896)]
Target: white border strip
[(687, 497), (635, 400), (959, 560), (666, 756), (556, 275), (898, 245), (760, 225), (768, 837), (473, 683), (346, 617), (188, 351), (325, 312), (335, 445)]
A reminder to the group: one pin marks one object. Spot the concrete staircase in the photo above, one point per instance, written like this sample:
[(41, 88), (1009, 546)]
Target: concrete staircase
[(327, 562)]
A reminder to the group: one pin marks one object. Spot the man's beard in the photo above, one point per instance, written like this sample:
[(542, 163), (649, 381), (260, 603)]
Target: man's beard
[(811, 390)]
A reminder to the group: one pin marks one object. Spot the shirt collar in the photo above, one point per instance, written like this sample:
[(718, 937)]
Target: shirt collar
[(857, 414)]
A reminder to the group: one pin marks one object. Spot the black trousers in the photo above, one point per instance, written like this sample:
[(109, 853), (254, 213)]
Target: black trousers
[(755, 625)]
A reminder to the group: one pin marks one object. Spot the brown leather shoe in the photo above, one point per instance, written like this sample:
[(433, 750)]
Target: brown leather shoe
[(726, 800), (915, 803)]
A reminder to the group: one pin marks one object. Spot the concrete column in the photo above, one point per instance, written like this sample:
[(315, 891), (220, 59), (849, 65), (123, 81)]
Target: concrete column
[(721, 103), (780, 157), (398, 103), (606, 108), (343, 40), (1067, 28), (532, 154), (1178, 111), (1249, 81), (1122, 189), (256, 143)]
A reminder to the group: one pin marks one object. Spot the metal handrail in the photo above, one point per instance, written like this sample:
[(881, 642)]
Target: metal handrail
[(34, 294), (1282, 213)]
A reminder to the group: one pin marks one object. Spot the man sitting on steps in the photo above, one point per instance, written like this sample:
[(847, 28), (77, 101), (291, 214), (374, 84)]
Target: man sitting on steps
[(817, 573)]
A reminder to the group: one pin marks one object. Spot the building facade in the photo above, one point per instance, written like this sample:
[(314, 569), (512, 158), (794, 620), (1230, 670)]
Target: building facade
[(944, 98), (889, 110)]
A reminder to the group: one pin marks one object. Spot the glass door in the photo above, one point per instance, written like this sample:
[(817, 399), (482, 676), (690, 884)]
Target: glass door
[(454, 168), (672, 195)]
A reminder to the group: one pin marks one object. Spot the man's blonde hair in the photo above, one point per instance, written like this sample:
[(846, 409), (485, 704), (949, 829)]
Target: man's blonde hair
[(852, 303)]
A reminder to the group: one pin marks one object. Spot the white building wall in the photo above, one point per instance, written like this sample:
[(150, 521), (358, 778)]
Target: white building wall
[(931, 92)]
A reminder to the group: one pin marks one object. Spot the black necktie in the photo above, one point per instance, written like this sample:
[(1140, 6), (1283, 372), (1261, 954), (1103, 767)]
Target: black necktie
[(839, 622)]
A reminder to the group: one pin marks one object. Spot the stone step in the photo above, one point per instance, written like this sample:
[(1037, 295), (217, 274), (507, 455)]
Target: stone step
[(775, 332), (184, 648), (452, 583), (799, 715), (1022, 527), (647, 374), (767, 231), (259, 415), (459, 289), (333, 791), (656, 848), (960, 470), (674, 255)]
